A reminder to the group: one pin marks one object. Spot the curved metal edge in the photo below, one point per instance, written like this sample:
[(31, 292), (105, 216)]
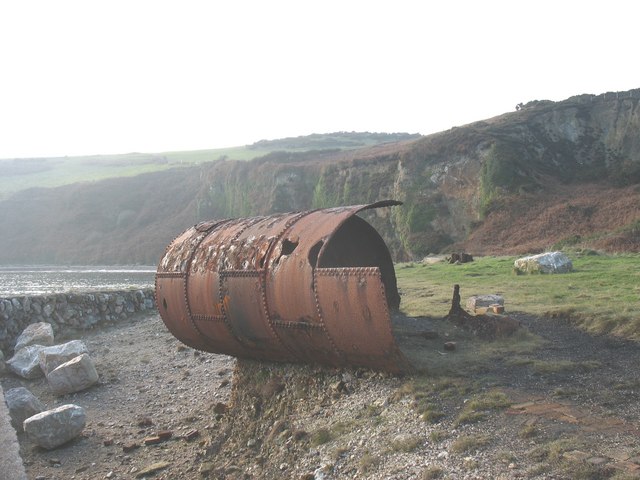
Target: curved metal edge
[(205, 228), (355, 209), (380, 204), (394, 361)]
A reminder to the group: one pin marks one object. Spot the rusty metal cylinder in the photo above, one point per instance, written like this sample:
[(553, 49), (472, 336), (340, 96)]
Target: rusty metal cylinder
[(313, 287)]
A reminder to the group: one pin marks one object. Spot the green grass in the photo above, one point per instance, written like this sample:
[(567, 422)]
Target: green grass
[(528, 431), (320, 437), (437, 436), (543, 367), (469, 443), (406, 444), (58, 171), (601, 295), (332, 432), (433, 471), (23, 173), (476, 408), (368, 462)]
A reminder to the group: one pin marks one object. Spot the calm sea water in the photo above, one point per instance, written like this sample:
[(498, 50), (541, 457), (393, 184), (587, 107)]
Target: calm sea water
[(42, 280)]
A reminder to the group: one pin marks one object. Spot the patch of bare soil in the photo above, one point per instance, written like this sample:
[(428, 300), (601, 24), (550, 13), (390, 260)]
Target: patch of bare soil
[(587, 215), (547, 402)]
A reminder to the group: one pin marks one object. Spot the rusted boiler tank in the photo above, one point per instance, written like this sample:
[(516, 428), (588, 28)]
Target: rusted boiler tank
[(313, 287)]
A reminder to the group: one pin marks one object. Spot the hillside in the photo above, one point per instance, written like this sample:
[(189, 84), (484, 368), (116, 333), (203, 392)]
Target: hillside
[(24, 173), (548, 174)]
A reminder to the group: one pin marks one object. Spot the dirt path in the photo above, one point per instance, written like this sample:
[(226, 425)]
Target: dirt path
[(572, 411)]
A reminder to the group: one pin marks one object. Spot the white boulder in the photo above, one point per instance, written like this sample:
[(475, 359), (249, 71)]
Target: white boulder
[(52, 428), (25, 362), (40, 333), (52, 357), (77, 374), (550, 262), (22, 404)]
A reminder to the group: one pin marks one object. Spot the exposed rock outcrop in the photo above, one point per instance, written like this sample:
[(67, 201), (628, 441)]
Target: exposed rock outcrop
[(450, 182)]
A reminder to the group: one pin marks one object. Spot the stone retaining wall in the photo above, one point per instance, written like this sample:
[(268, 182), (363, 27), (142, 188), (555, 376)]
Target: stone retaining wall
[(69, 311)]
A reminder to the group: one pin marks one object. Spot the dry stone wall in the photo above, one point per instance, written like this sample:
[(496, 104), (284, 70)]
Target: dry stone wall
[(65, 311)]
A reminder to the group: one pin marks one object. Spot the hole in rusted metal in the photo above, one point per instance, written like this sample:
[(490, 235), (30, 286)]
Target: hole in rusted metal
[(164, 303), (313, 253), (288, 247)]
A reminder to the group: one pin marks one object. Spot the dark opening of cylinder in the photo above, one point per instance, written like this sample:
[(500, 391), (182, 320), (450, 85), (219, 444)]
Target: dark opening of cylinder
[(358, 244)]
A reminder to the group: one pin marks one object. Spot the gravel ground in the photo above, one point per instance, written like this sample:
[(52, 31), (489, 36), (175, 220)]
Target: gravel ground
[(149, 383), (566, 409)]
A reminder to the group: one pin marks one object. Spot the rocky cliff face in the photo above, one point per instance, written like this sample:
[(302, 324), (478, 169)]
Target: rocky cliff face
[(452, 184)]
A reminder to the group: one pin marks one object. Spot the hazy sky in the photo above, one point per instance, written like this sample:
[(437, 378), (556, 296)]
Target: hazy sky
[(111, 76)]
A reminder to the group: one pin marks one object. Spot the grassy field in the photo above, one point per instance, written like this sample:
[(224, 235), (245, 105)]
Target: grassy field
[(602, 294), (24, 173), (57, 171)]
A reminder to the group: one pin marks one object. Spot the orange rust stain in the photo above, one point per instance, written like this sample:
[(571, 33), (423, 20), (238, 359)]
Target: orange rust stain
[(221, 307)]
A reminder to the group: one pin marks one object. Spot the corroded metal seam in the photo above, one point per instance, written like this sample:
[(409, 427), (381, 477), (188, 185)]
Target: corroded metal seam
[(333, 272), (168, 275), (400, 360), (165, 274), (204, 234), (221, 277), (298, 325), (339, 354), (263, 284), (208, 318), (240, 273), (350, 272)]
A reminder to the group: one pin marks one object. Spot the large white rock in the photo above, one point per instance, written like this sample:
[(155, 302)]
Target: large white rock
[(25, 362), (550, 262), (22, 405), (52, 428), (35, 334), (72, 376), (54, 356)]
